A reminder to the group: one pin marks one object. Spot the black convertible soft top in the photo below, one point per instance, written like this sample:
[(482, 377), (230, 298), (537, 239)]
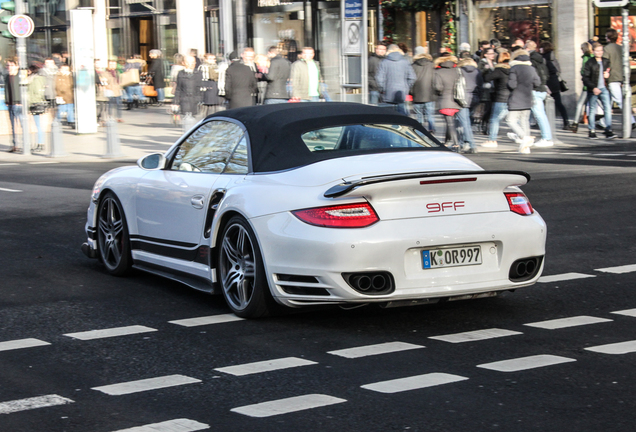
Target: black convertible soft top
[(275, 130)]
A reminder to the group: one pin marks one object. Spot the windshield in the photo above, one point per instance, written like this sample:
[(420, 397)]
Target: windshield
[(366, 137)]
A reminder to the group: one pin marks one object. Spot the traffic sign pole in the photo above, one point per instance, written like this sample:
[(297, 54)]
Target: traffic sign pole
[(627, 72), (20, 8)]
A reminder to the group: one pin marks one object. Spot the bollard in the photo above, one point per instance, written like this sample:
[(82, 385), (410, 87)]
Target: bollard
[(26, 138), (550, 112), (188, 122), (57, 144), (113, 148)]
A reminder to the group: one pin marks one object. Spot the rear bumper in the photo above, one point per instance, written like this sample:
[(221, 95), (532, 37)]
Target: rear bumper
[(395, 246)]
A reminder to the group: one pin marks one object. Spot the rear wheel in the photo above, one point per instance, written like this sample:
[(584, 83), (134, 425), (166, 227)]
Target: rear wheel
[(241, 271), (113, 242)]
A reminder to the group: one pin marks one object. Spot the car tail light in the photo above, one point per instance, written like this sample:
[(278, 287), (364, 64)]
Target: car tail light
[(341, 216), (519, 203)]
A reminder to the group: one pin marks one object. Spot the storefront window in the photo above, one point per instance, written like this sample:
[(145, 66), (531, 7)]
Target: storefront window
[(280, 26), (611, 18), (505, 21)]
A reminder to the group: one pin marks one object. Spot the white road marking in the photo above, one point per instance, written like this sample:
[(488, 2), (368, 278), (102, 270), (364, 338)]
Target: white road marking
[(265, 366), (370, 350), (9, 163), (577, 154), (21, 343), (627, 312), (619, 270), (176, 425), (476, 335), (10, 190), (212, 319), (615, 348), (524, 363), (413, 383), (288, 405), (146, 384), (33, 403), (568, 322), (609, 154), (43, 163), (563, 277), (112, 332)]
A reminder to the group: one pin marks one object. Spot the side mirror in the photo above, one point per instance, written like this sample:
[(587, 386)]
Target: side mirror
[(151, 162)]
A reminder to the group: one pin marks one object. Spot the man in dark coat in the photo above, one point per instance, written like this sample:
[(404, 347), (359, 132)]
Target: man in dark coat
[(374, 62), (277, 77), (188, 93), (424, 96), (240, 84), (539, 95), (596, 76), (156, 71), (12, 99), (395, 76), (474, 84), (522, 81)]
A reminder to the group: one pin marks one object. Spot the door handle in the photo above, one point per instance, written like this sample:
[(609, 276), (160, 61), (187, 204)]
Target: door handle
[(197, 201)]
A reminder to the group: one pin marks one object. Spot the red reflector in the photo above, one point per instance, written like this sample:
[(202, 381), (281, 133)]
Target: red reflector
[(519, 203), (342, 216), (459, 180)]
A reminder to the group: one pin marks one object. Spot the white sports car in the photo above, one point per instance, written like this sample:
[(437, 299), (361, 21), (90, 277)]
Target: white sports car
[(317, 203)]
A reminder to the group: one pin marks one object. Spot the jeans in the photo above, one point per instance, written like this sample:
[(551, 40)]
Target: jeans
[(374, 97), (40, 129), (69, 109), (580, 105), (135, 90), (425, 109), (616, 90), (15, 113), (161, 95), (519, 122), (463, 117), (606, 100), (538, 111), (498, 113), (274, 101)]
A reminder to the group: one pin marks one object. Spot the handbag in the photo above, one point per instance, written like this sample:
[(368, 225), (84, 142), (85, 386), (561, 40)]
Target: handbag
[(149, 91), (563, 85), (459, 92), (130, 77), (38, 108)]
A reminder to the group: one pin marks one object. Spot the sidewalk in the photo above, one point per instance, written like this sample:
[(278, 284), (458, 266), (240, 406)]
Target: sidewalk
[(149, 130)]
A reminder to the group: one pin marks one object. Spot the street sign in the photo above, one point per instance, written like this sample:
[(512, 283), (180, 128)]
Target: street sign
[(21, 26), (353, 10), (352, 37), (610, 3)]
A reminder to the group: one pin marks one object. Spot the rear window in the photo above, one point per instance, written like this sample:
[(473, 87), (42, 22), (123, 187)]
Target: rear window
[(366, 137)]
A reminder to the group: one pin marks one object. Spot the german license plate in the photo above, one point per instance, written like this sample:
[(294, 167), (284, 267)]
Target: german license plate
[(451, 257)]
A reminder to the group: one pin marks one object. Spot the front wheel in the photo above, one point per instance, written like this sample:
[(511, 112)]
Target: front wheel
[(241, 271), (113, 242)]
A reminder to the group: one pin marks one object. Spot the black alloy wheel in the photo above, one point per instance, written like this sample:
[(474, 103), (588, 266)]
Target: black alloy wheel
[(113, 242)]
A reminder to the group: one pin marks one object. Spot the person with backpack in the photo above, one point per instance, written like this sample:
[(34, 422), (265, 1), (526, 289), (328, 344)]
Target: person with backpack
[(539, 95), (424, 96), (522, 81), (444, 83)]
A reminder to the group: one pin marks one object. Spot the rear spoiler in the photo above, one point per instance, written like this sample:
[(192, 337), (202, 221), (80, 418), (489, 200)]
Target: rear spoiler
[(346, 187)]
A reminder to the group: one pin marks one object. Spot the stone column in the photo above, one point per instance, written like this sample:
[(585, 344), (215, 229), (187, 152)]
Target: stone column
[(570, 18), (191, 26), (100, 35)]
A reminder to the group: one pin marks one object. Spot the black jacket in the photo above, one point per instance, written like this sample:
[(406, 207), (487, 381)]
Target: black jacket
[(277, 78), (444, 82), (156, 71), (523, 79), (538, 62), (499, 78), (188, 92), (374, 63), (474, 81), (422, 90), (554, 69), (591, 73), (240, 85)]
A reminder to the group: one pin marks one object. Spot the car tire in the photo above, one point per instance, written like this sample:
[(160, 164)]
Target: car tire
[(113, 241), (241, 271)]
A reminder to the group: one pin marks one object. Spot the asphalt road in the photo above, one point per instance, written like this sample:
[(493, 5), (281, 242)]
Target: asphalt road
[(55, 377)]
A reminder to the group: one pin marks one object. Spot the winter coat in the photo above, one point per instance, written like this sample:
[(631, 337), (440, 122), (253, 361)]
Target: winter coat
[(240, 85), (591, 74), (395, 77), (488, 90), (111, 79), (64, 88), (554, 69), (188, 93), (210, 84), (374, 64), (423, 90), (474, 81), (499, 78), (35, 89), (50, 75), (538, 62), (523, 79), (156, 70), (299, 78), (584, 59), (12, 90), (277, 77), (446, 76), (614, 53)]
